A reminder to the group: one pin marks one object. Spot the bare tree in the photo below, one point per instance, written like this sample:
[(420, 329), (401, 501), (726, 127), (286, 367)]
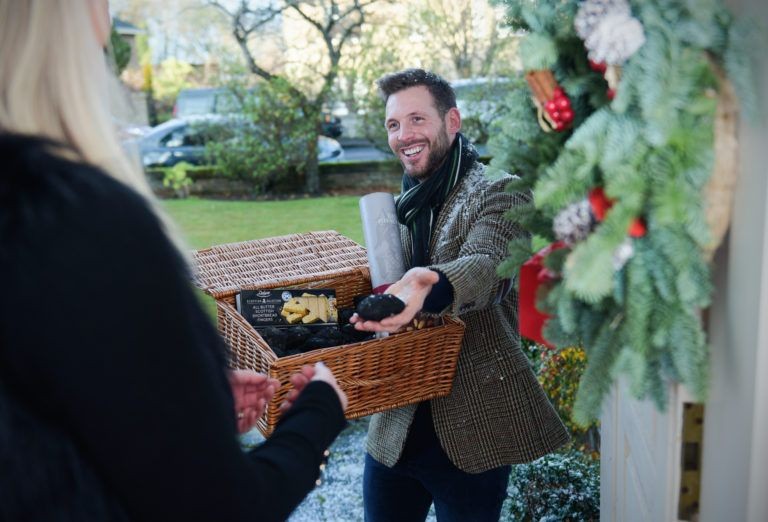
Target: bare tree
[(471, 34), (333, 22)]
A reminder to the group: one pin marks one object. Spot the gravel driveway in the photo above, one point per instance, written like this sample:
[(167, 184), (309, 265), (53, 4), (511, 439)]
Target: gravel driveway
[(339, 498)]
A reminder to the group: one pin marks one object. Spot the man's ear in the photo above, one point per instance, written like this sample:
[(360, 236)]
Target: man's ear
[(452, 121)]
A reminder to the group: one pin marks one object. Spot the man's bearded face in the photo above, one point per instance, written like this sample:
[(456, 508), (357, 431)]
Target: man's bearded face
[(417, 134)]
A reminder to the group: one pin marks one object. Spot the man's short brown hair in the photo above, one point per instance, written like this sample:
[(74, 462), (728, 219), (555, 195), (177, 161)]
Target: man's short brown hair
[(441, 90)]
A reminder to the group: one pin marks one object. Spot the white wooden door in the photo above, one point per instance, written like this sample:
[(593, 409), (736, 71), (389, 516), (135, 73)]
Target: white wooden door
[(640, 458)]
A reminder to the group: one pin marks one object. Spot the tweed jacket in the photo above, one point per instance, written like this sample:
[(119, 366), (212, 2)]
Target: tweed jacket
[(496, 412)]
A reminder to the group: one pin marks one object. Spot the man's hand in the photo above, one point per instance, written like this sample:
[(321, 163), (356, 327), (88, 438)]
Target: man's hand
[(413, 288), (251, 391)]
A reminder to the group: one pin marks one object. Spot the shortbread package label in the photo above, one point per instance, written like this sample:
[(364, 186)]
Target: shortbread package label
[(288, 307)]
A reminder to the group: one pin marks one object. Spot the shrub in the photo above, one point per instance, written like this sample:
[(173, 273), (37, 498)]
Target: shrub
[(176, 179), (272, 141), (121, 51), (557, 487), (559, 373)]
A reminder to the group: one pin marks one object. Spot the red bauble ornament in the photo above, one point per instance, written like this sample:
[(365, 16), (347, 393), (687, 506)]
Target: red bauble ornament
[(566, 115), (563, 103), (637, 228)]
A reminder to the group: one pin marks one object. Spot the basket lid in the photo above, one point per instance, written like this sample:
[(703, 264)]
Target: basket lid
[(224, 270)]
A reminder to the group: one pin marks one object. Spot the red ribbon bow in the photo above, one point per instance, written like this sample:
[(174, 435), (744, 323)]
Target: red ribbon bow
[(533, 274)]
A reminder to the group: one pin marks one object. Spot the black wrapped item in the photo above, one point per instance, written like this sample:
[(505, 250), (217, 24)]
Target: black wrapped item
[(378, 307)]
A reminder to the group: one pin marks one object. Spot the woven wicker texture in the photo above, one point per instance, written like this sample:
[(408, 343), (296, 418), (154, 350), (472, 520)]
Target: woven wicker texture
[(376, 375), (224, 270), (718, 193)]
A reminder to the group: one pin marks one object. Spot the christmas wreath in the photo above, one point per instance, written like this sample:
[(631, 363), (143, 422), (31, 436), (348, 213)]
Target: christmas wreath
[(613, 130)]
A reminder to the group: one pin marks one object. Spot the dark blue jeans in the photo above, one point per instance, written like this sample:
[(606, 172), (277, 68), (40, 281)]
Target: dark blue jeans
[(404, 492)]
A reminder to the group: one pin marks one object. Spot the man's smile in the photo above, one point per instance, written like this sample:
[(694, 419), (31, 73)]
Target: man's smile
[(413, 150)]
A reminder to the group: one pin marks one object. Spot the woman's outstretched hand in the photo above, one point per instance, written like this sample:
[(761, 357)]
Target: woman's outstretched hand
[(251, 391), (318, 372)]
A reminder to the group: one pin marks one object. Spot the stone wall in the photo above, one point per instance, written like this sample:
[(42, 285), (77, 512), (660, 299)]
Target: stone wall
[(361, 177), (335, 178)]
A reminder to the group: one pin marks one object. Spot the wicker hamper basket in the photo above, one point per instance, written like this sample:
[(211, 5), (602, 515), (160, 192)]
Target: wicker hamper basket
[(376, 375)]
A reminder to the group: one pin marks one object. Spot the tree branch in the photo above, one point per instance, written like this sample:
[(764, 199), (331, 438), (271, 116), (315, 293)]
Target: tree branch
[(217, 5), (296, 7)]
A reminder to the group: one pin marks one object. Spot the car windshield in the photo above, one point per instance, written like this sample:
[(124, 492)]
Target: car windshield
[(199, 133), (227, 101), (193, 104)]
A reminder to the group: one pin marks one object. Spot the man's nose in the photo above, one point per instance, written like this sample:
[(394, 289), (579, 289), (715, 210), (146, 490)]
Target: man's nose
[(405, 133)]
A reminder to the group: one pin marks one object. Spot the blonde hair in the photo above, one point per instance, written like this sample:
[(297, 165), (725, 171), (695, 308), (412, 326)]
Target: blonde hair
[(55, 83)]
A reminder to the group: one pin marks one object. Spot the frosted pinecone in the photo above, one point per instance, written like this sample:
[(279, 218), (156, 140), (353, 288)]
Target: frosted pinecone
[(617, 37), (591, 12), (574, 223)]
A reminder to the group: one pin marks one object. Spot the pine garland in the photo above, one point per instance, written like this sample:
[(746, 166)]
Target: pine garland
[(650, 148)]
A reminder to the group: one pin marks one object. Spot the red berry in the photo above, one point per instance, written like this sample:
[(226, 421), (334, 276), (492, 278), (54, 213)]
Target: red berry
[(611, 94), (560, 125), (566, 115), (556, 116), (563, 103), (637, 228), (598, 66), (599, 202), (550, 106), (558, 93)]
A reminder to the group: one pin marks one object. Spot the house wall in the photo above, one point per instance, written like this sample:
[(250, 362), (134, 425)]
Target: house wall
[(735, 456)]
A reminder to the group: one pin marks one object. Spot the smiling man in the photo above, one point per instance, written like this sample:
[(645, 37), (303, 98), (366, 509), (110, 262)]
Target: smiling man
[(453, 451)]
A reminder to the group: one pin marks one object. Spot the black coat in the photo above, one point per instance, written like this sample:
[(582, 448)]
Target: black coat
[(113, 400)]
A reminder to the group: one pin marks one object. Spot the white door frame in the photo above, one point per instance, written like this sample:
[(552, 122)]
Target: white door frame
[(735, 458)]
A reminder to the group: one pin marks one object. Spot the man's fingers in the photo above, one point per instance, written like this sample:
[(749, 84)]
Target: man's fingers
[(373, 326)]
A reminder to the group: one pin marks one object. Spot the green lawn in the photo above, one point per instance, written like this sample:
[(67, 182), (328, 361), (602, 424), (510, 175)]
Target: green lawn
[(205, 222)]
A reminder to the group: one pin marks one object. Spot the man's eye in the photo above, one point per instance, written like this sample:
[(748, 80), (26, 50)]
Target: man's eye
[(391, 126)]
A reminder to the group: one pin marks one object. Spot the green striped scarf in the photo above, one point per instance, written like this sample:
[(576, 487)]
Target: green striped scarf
[(419, 202)]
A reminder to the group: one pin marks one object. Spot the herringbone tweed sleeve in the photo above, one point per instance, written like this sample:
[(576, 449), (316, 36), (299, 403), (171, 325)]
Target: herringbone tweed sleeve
[(468, 251)]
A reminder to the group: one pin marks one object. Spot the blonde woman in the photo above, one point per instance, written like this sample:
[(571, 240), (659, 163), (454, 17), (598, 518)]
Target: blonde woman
[(114, 404)]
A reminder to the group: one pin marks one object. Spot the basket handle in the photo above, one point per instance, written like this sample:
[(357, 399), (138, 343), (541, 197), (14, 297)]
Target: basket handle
[(367, 383)]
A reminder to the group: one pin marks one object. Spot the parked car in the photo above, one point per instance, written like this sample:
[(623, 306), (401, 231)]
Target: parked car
[(184, 139), (132, 131), (220, 100)]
